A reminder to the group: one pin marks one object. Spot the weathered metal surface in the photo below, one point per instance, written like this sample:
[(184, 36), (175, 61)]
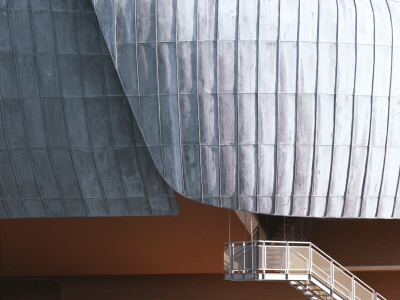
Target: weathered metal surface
[(69, 145), (283, 107), (280, 107)]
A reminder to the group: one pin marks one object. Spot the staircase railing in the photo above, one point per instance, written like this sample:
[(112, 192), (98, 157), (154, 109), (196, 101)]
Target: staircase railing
[(296, 258)]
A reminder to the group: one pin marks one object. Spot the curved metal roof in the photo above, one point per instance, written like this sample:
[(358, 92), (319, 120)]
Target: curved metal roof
[(283, 107)]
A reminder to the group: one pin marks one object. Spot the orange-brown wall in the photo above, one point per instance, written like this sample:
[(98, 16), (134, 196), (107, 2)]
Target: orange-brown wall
[(359, 242), (177, 287), (191, 242)]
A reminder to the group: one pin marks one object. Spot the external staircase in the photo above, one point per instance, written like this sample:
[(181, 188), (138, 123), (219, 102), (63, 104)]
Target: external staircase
[(304, 266)]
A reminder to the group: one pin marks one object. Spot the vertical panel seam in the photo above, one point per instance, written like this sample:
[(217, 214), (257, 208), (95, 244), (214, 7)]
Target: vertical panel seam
[(352, 111), (22, 112), (236, 99), (370, 116), (388, 117), (64, 109), (216, 26), (257, 119), (86, 119), (43, 116), (159, 101), (198, 101), (334, 111), (109, 123), (178, 95), (139, 122), (276, 109), (311, 190), (296, 98)]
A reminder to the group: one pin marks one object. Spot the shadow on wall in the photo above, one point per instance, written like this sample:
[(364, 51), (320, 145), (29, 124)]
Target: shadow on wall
[(191, 242)]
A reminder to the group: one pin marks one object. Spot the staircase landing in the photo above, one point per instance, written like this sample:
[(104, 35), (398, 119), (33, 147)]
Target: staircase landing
[(304, 266)]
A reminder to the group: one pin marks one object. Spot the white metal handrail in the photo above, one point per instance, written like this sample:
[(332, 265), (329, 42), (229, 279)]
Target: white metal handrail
[(259, 256)]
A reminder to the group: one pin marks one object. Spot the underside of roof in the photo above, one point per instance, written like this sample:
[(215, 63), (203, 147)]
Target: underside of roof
[(282, 107)]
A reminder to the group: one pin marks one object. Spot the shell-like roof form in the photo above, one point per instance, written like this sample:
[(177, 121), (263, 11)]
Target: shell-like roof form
[(285, 107)]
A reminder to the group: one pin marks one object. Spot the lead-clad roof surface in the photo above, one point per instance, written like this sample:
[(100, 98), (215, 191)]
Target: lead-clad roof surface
[(283, 107)]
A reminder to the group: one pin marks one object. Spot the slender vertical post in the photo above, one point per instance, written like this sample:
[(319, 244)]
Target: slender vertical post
[(353, 287), (251, 227), (310, 259), (333, 275), (287, 259), (264, 257), (229, 226), (245, 224), (244, 257)]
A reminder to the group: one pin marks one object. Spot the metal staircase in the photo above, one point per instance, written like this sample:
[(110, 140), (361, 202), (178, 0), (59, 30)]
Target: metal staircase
[(307, 268)]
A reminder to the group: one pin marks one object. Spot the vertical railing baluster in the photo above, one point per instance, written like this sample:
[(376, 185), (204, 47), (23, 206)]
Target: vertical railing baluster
[(310, 260), (264, 257), (244, 257), (287, 259), (333, 274)]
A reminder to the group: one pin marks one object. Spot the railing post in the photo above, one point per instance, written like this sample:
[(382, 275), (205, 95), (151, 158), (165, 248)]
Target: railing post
[(244, 258), (353, 287), (287, 259), (232, 252), (310, 259), (264, 257), (253, 255), (332, 274)]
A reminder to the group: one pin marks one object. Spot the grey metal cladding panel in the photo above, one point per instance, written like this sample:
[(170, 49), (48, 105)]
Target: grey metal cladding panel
[(92, 79), (87, 33), (319, 98), (3, 144), (120, 121), (8, 76), (5, 34), (14, 124), (25, 173), (54, 117), (20, 26), (86, 173), (65, 170), (128, 74), (9, 183), (70, 73), (65, 31), (34, 126), (75, 116), (208, 118), (97, 207), (98, 121), (108, 170), (167, 68), (48, 74), (45, 175), (54, 208), (76, 207), (42, 29), (131, 173), (113, 84), (27, 75), (63, 111)]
